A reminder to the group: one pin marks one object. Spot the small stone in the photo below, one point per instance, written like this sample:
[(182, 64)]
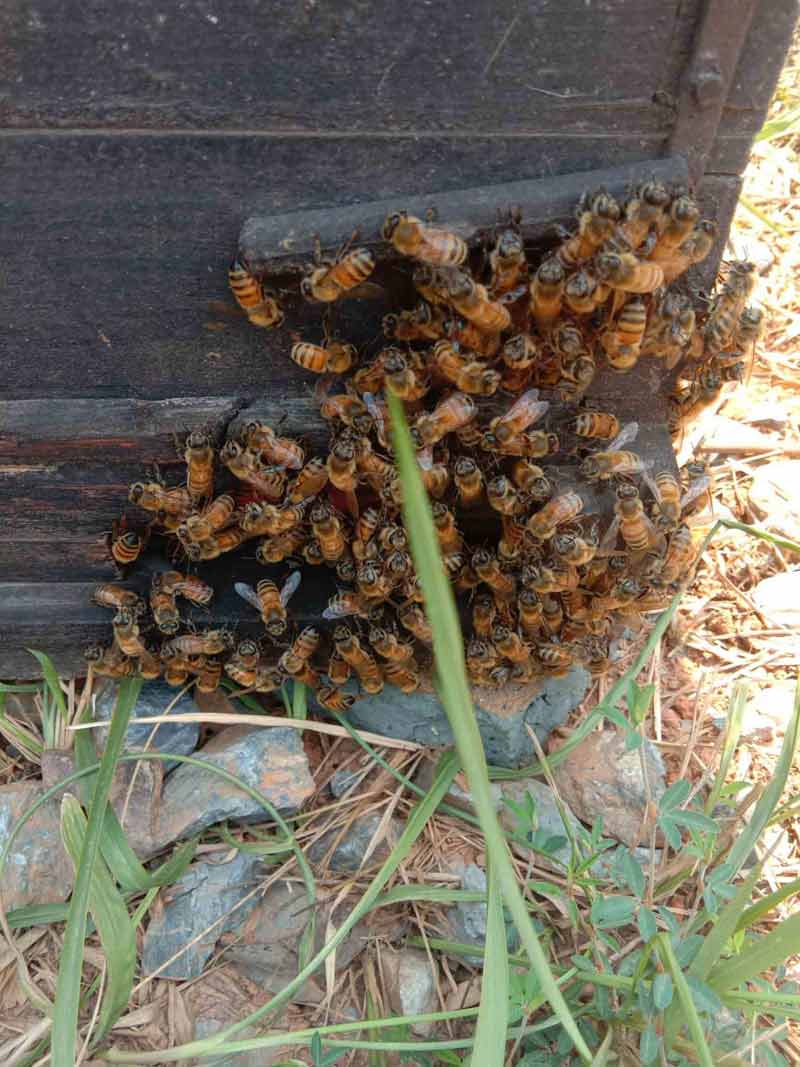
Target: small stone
[(206, 892), (778, 598), (502, 715), (341, 781), (467, 919), (411, 984), (766, 715), (266, 950), (138, 815), (353, 842), (775, 496), (154, 699), (600, 778), (37, 869), (270, 759)]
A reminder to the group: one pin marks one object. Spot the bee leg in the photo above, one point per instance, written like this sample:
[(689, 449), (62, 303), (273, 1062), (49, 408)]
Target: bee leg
[(431, 214)]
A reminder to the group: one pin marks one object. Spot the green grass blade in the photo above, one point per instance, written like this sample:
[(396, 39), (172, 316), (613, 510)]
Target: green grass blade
[(772, 794), (602, 1054), (401, 894), (490, 1031), (67, 1000), (733, 729), (768, 951), (690, 1015), (299, 701), (724, 928), (107, 908), (51, 678), (457, 701), (756, 912), (782, 126)]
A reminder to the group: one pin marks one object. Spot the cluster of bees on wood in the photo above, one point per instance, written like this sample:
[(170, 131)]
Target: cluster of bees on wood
[(489, 338)]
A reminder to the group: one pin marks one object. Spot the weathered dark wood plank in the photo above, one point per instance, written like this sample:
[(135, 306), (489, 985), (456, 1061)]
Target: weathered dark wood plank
[(348, 66), (59, 428), (54, 559), (276, 244)]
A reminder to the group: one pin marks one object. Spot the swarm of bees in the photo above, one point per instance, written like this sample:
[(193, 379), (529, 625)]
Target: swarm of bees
[(478, 362)]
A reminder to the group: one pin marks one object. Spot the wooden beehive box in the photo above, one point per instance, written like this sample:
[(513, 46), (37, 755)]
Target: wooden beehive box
[(136, 141)]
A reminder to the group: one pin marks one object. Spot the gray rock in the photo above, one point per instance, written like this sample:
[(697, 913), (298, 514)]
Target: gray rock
[(205, 893), (155, 697), (270, 759), (502, 715), (767, 714), (458, 795), (266, 948), (341, 781), (600, 777), (411, 984), (37, 869), (348, 854), (467, 919)]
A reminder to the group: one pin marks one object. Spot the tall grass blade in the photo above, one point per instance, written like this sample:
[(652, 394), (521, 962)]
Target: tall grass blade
[(733, 729), (490, 1031), (690, 1015), (603, 1053), (68, 987), (768, 951), (457, 700), (771, 795), (52, 681), (107, 908), (299, 701), (756, 912)]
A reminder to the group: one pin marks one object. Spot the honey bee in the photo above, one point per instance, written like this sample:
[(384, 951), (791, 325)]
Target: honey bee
[(321, 360), (334, 699), (367, 526), (556, 659), (109, 662), (403, 676), (638, 532), (555, 578), (270, 601), (309, 481), (126, 545), (412, 618), (525, 410), (422, 323), (622, 270), (388, 645), (215, 517), (303, 648), (645, 211), (547, 294), (280, 547), (342, 466), (372, 583), (247, 653), (467, 334), (683, 216), (260, 305), (509, 644), (149, 665), (480, 658), (213, 547), (622, 595), (154, 497), (209, 677), (614, 462), (597, 657), (175, 674), (484, 611), (623, 342), (162, 604), (507, 263), (469, 481), (402, 379), (486, 566), (699, 397), (393, 537), (349, 647), (269, 519), (531, 480), (126, 633), (446, 528), (598, 214), (532, 444), (666, 491), (115, 596), (199, 457), (502, 495), (338, 670), (455, 411), (469, 375), (209, 643), (472, 301), (748, 328), (583, 293), (597, 424), (699, 482), (328, 531), (573, 549), (512, 539), (552, 614), (679, 558), (694, 249), (347, 603), (558, 511), (275, 450), (327, 283), (412, 237), (729, 304), (247, 466), (577, 377)]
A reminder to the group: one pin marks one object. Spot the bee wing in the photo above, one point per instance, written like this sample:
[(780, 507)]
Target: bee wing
[(609, 539), (374, 408), (651, 485), (625, 436), (425, 458), (338, 608), (290, 587), (246, 592), (696, 489)]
